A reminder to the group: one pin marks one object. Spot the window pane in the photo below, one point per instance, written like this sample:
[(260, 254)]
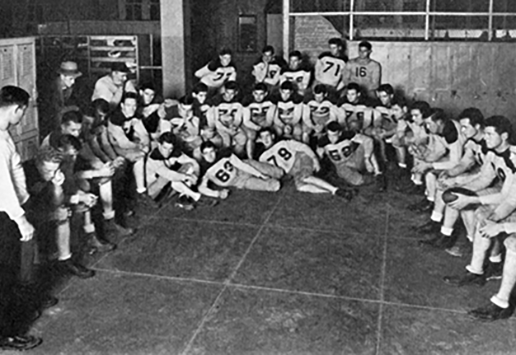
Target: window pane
[(460, 5)]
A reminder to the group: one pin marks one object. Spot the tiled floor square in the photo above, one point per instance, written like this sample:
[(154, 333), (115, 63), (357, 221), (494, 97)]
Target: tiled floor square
[(257, 322), (115, 314), (309, 261), (183, 249), (414, 275), (408, 331), (326, 212)]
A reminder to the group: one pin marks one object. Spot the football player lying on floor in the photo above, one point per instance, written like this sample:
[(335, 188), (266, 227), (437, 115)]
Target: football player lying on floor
[(170, 170), (458, 177), (496, 204), (297, 160), (225, 169), (352, 154)]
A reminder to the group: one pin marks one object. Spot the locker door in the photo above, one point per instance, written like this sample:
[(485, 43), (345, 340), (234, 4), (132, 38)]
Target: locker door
[(26, 79)]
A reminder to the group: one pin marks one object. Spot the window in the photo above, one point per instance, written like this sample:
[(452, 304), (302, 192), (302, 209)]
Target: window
[(139, 10), (247, 33)]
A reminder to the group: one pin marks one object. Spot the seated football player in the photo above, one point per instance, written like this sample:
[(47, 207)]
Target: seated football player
[(317, 113), (500, 306), (225, 169), (78, 178), (297, 160), (365, 71), (100, 173), (330, 68), (217, 72), (202, 109), (130, 140), (268, 69), (297, 73), (463, 175), (384, 120), (185, 125), (289, 113), (170, 170), (493, 204), (227, 114), (448, 133), (352, 154), (353, 114), (51, 202), (258, 113)]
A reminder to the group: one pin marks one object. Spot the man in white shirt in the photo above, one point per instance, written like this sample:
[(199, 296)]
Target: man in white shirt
[(13, 195), (111, 87)]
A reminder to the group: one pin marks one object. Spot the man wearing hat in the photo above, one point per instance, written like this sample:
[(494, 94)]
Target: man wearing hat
[(60, 95), (112, 86)]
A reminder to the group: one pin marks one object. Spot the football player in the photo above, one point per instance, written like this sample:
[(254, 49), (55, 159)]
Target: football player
[(297, 73), (317, 113), (289, 114), (365, 71), (259, 113), (297, 160), (330, 67), (268, 69), (225, 169), (353, 114), (217, 72)]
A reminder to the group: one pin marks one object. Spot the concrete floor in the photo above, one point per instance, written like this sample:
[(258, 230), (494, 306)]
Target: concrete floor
[(284, 273)]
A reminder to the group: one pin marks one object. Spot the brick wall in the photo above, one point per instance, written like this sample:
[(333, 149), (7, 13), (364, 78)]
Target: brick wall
[(311, 35)]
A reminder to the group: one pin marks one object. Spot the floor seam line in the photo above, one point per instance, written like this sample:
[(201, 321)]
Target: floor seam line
[(277, 290), (382, 285), (228, 279)]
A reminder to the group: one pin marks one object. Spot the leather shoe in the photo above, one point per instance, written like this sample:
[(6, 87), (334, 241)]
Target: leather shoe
[(20, 342), (491, 312), (468, 279), (68, 266)]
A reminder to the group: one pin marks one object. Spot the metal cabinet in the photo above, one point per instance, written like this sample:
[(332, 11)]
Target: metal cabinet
[(18, 67)]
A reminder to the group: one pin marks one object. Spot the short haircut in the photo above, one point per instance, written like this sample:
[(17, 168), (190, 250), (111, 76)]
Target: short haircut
[(71, 116), (295, 54), (320, 89), (129, 95), (501, 125), (231, 85), (200, 87), (260, 87), (207, 145), (365, 44), (474, 115), (353, 86), (423, 107), (148, 85), (266, 130), (13, 96), (287, 85), (336, 40), (334, 127), (187, 100), (225, 51), (67, 140), (386, 88), (101, 106), (399, 101), (268, 48), (48, 154), (168, 137), (437, 114)]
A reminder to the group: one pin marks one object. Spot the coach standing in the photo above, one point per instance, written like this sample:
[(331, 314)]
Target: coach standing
[(13, 194)]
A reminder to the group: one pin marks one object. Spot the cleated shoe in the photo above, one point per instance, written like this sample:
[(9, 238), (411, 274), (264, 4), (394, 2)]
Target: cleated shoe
[(345, 194), (184, 203), (380, 182), (205, 201), (491, 312), (76, 269), (112, 227), (468, 279)]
